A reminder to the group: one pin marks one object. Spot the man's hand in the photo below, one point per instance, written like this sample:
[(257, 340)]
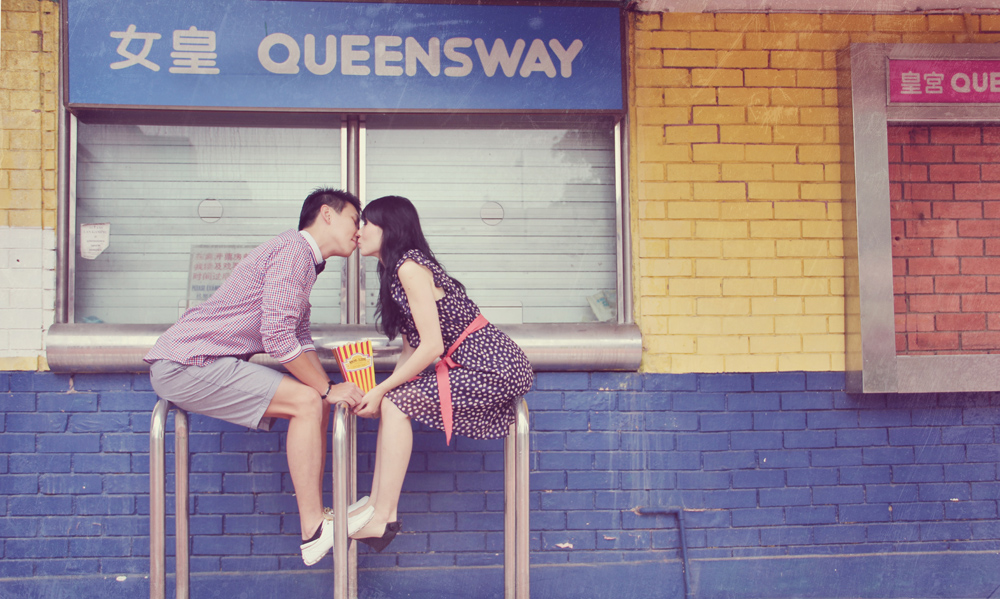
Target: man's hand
[(347, 393)]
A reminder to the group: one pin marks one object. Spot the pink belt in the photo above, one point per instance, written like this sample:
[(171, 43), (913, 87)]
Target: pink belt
[(443, 366)]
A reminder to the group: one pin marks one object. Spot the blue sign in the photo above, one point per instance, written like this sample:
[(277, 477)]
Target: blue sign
[(343, 55)]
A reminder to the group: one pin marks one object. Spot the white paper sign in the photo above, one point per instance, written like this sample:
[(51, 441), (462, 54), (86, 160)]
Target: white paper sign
[(603, 305), (94, 239)]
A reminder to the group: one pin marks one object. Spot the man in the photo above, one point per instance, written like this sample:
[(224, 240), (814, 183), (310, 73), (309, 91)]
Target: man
[(200, 363)]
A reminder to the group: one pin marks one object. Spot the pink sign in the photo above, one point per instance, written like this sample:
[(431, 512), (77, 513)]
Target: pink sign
[(944, 81)]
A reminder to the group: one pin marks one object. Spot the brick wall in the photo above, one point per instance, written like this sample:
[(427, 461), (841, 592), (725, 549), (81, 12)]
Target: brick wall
[(779, 464), (739, 279), (29, 74), (945, 203), (737, 182)]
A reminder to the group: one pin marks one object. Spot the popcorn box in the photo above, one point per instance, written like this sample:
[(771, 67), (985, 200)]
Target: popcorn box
[(357, 363)]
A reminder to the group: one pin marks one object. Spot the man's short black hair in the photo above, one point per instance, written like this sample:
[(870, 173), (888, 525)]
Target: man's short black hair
[(325, 196)]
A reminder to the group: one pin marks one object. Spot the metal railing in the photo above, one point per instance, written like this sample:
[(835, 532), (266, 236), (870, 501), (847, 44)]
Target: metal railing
[(158, 502), (517, 528), (345, 553), (516, 509)]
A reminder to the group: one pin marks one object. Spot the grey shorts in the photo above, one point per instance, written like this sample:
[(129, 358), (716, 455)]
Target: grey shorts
[(229, 389)]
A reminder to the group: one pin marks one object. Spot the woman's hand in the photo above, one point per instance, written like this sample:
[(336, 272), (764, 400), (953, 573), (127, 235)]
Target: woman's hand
[(370, 405)]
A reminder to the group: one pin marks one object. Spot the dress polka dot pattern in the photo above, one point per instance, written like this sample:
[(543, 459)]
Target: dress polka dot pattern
[(494, 371)]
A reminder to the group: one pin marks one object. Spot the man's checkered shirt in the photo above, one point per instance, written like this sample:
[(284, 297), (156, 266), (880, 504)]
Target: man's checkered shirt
[(262, 307)]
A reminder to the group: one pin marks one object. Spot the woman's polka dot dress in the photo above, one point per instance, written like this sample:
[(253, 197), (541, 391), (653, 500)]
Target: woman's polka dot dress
[(494, 371)]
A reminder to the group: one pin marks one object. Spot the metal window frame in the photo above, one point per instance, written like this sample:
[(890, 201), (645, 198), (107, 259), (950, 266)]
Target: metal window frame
[(78, 347), (73, 347), (872, 363)]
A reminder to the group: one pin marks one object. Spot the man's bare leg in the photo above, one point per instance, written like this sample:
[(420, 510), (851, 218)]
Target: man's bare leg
[(304, 409), (324, 432)]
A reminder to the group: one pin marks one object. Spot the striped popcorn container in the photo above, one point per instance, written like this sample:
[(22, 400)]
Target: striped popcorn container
[(357, 363)]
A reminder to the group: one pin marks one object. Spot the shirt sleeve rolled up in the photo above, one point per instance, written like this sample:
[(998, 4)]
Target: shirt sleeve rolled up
[(288, 281)]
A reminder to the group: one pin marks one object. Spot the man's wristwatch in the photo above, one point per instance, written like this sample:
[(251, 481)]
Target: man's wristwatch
[(329, 386)]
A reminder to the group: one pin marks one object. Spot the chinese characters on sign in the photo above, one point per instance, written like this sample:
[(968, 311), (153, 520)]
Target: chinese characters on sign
[(344, 55), (944, 81), (210, 267), (194, 51)]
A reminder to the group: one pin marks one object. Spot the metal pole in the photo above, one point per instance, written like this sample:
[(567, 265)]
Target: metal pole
[(516, 506), (522, 506), (684, 553), (341, 568), (679, 512), (157, 503), (181, 499), (62, 212), (352, 496), (509, 522), (355, 295)]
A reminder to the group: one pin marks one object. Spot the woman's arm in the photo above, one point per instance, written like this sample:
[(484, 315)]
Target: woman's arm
[(403, 355), (418, 282)]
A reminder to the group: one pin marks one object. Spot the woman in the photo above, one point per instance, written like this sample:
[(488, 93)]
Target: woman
[(472, 388)]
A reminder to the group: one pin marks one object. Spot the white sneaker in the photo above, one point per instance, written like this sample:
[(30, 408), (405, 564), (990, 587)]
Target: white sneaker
[(313, 551), (328, 511)]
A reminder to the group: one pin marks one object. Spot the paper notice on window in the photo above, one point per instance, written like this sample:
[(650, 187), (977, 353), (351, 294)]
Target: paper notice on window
[(603, 305), (210, 267), (94, 239)]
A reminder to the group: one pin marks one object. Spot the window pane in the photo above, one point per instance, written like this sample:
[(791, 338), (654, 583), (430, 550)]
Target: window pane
[(524, 217), (167, 190)]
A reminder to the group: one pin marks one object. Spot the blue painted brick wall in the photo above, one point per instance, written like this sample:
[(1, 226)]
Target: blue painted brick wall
[(767, 465)]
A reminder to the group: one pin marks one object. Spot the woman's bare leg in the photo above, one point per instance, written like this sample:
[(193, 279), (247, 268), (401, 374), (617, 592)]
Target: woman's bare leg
[(393, 458), (373, 494)]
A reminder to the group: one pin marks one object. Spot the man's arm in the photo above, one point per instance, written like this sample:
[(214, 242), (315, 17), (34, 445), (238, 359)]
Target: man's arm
[(308, 370), (303, 332), (284, 300), (285, 306)]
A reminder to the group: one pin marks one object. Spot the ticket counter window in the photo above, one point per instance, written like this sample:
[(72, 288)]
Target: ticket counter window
[(506, 125), (522, 212), (177, 207), (523, 217)]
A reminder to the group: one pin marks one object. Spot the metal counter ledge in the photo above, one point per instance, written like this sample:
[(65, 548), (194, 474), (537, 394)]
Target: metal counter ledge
[(82, 348)]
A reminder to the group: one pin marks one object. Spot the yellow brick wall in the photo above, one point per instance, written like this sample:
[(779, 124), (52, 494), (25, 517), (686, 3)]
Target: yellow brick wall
[(738, 244), (29, 67)]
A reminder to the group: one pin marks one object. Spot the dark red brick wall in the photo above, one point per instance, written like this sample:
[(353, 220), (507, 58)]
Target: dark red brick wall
[(945, 203)]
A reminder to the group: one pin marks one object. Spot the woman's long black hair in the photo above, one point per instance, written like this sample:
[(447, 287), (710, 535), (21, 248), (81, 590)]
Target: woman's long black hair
[(401, 232)]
